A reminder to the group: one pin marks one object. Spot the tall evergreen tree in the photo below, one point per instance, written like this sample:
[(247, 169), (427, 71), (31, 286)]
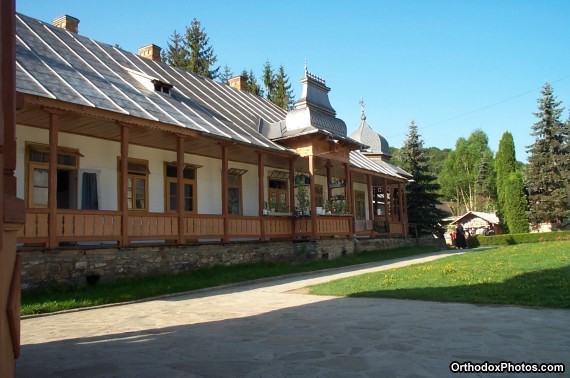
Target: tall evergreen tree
[(176, 54), (269, 80), (421, 194), (505, 164), (201, 57), (515, 205), (251, 83), (226, 75), (549, 163), (283, 95)]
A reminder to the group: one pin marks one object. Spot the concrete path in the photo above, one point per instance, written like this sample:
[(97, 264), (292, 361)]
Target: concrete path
[(269, 329)]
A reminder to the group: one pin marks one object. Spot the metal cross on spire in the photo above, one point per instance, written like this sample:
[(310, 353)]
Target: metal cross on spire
[(362, 106)]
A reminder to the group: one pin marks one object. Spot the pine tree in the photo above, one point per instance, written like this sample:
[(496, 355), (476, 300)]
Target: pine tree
[(201, 56), (176, 54), (226, 75), (516, 205), (505, 164), (421, 194), (283, 95), (549, 163), (269, 81), (251, 83)]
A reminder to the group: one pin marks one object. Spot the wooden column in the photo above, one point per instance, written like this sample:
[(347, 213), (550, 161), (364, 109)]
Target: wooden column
[(123, 184), (225, 191), (180, 208), (313, 197), (329, 180), (261, 190), (370, 202), (348, 194), (401, 205), (292, 186), (386, 205), (52, 180)]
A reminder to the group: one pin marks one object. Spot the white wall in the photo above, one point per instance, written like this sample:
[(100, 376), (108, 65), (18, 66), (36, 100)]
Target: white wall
[(100, 156)]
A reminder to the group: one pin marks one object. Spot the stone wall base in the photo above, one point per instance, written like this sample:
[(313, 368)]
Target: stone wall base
[(80, 266)]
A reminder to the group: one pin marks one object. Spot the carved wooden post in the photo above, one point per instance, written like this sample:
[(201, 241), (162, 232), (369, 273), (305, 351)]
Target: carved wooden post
[(52, 179), (370, 202), (180, 208), (313, 196), (225, 191), (123, 184), (261, 191)]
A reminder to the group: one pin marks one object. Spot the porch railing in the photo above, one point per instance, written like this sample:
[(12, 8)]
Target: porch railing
[(100, 225)]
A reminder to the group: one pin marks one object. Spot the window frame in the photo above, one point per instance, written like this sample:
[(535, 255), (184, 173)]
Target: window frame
[(169, 179), (31, 165), (238, 186), (132, 175)]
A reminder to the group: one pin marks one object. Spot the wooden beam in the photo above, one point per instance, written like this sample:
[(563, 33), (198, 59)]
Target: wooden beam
[(261, 190), (123, 185), (180, 208), (52, 180), (225, 189), (386, 203)]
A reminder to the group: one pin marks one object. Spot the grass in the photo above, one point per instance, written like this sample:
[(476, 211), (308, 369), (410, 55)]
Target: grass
[(60, 298), (525, 274)]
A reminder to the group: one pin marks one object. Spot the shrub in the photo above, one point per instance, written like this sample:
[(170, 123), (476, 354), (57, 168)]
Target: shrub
[(510, 239)]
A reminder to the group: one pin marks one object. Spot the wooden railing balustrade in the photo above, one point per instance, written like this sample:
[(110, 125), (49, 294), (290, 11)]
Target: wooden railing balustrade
[(101, 225)]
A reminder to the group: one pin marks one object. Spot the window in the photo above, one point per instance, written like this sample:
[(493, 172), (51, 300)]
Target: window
[(38, 176), (234, 194), (189, 182), (137, 184), (319, 197), (359, 204), (278, 195)]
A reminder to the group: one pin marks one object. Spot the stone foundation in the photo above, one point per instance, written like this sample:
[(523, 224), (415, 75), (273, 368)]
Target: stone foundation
[(78, 266)]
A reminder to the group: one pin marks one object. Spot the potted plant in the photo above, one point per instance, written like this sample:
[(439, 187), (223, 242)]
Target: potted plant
[(265, 208)]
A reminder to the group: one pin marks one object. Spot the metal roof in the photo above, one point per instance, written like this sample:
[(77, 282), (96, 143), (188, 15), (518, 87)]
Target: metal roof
[(55, 63)]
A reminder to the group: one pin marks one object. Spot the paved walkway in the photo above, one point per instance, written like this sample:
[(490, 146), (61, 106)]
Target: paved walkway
[(270, 329)]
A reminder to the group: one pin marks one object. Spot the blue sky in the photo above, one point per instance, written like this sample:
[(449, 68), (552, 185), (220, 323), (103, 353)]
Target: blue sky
[(452, 66)]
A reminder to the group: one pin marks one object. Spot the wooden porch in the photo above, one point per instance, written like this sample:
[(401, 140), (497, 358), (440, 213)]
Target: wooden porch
[(84, 226)]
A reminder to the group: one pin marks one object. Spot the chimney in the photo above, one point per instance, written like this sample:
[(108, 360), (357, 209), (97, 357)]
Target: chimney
[(150, 52), (68, 23), (238, 82)]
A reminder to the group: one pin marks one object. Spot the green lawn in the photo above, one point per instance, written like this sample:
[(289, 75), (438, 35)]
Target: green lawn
[(64, 298), (524, 274)]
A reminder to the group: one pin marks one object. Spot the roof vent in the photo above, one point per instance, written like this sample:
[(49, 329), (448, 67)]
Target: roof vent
[(68, 23), (151, 52)]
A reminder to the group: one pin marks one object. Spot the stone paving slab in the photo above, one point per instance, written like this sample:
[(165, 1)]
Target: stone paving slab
[(268, 329)]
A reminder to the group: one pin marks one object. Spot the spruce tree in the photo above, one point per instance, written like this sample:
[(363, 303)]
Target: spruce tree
[(226, 75), (283, 95), (201, 57), (505, 164), (421, 194), (176, 54), (269, 81), (549, 163), (515, 205), (251, 83)]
